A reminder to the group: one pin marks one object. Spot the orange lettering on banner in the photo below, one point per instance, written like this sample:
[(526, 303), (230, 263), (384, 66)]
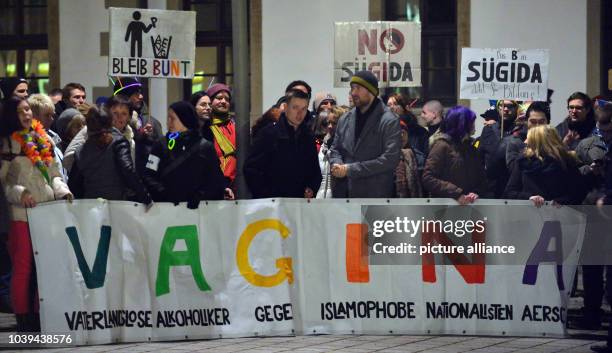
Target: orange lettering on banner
[(176, 71), (472, 272), (357, 270)]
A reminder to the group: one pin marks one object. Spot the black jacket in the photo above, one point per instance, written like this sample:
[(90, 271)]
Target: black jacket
[(144, 143), (106, 172), (584, 129), (190, 172), (547, 178), (418, 136), (282, 162)]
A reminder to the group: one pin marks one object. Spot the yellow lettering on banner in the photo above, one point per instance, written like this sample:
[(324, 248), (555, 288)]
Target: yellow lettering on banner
[(285, 271)]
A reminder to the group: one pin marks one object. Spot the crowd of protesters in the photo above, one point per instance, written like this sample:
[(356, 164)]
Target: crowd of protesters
[(56, 147)]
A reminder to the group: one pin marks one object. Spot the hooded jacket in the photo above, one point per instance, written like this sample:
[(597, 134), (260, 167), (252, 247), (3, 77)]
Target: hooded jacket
[(453, 169)]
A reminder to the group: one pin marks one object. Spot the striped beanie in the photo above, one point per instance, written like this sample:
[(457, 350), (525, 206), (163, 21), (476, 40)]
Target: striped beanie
[(367, 80)]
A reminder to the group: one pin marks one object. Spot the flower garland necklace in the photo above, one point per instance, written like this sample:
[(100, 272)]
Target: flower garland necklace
[(35, 144)]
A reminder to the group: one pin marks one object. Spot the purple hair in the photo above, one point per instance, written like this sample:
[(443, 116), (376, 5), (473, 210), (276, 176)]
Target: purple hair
[(458, 122)]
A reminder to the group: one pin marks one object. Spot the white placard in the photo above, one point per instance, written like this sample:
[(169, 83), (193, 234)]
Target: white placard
[(390, 50), (507, 73), (151, 43)]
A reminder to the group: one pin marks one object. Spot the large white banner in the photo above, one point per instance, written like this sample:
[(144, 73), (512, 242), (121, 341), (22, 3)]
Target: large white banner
[(109, 272), (390, 50), (506, 73), (151, 43)]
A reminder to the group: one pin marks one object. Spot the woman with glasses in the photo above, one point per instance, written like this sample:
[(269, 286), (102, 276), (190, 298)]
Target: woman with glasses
[(328, 125)]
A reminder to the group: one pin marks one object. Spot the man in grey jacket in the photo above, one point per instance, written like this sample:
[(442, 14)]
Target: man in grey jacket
[(366, 148)]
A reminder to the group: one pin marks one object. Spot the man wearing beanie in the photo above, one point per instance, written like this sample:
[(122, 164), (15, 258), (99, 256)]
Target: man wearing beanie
[(147, 129), (223, 129), (14, 87), (366, 148)]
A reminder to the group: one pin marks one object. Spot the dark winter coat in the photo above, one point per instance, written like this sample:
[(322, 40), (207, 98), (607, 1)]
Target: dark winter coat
[(584, 129), (453, 169), (371, 157), (190, 172), (547, 178), (106, 172), (490, 138), (282, 161), (144, 142)]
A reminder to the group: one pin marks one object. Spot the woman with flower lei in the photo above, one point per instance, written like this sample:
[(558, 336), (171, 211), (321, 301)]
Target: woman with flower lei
[(30, 176)]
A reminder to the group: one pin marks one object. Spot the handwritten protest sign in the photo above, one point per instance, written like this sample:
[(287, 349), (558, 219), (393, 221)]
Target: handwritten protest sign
[(504, 74), (151, 43), (390, 50)]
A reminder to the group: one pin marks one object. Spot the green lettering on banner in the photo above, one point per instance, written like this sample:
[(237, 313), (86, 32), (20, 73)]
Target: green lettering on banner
[(169, 258), (93, 279)]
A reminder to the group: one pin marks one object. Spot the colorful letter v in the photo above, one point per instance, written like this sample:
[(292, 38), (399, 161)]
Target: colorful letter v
[(93, 279)]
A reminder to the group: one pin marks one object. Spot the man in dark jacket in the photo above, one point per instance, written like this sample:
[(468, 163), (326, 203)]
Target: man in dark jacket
[(580, 121), (283, 160), (592, 151), (537, 114), (147, 129), (492, 144), (367, 144), (499, 163)]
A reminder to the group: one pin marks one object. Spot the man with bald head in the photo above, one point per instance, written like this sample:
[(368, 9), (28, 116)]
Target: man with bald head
[(432, 114)]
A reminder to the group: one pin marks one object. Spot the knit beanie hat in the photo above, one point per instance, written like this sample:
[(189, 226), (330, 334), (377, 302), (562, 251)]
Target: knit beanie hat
[(63, 120), (126, 86), (187, 114), (321, 97), (216, 89), (8, 85), (367, 80)]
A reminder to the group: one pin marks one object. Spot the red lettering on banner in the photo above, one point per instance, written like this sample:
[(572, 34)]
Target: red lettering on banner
[(357, 269), (472, 272)]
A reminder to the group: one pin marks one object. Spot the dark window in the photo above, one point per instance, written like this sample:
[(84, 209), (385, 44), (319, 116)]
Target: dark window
[(213, 44), (23, 42), (438, 20)]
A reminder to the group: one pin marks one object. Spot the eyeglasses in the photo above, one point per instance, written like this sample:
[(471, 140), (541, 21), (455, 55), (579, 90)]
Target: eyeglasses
[(575, 107), (22, 90)]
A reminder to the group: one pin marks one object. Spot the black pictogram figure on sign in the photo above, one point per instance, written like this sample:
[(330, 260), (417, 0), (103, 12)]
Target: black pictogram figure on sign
[(135, 30)]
